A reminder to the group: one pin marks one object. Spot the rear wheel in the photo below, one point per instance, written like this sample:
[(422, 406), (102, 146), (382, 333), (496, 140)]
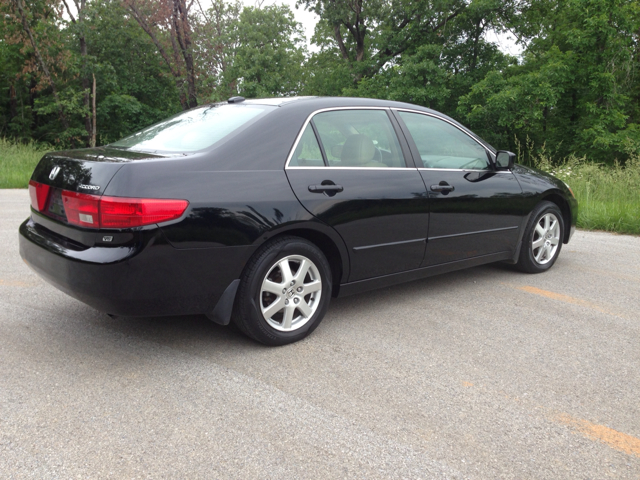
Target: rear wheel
[(284, 292), (542, 240)]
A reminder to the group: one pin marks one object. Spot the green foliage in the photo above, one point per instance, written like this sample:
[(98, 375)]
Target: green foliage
[(270, 51), (608, 195), (577, 89), (418, 79)]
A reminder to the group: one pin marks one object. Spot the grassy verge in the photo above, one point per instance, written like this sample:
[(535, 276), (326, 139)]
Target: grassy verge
[(17, 163), (608, 196)]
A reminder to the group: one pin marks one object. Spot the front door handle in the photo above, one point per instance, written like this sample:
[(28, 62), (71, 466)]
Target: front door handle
[(326, 188), (442, 187)]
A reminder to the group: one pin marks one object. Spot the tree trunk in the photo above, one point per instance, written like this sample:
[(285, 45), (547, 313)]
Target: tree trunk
[(181, 24), (13, 103)]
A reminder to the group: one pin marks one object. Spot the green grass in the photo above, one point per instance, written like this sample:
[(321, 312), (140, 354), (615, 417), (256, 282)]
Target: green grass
[(608, 196), (17, 162)]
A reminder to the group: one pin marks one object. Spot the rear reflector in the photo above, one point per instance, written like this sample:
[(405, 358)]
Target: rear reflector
[(39, 194), (92, 211)]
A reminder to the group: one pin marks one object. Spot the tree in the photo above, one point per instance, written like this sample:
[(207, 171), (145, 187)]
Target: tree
[(169, 25), (577, 90), (269, 53), (371, 33)]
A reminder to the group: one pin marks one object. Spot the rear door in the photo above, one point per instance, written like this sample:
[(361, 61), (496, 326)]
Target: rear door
[(349, 169), (475, 210)]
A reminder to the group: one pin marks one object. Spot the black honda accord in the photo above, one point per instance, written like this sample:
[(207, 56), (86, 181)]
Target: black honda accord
[(259, 211)]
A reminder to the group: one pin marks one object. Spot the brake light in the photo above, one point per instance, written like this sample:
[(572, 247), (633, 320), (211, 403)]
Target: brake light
[(91, 211), (82, 209), (120, 212), (39, 194)]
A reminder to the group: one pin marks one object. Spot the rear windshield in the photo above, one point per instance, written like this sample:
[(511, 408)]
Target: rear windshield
[(194, 129)]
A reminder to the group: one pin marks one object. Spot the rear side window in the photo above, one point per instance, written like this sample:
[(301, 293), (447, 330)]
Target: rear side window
[(307, 152), (359, 138), (442, 145), (194, 129)]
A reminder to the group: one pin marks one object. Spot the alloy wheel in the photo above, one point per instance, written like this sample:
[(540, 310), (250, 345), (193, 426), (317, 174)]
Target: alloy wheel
[(546, 238), (290, 293)]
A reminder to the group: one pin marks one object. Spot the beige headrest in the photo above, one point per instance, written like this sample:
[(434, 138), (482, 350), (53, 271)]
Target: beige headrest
[(358, 149)]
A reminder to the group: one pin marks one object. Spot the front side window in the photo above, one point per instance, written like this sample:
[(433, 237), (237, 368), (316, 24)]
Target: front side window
[(194, 129), (442, 145), (359, 138)]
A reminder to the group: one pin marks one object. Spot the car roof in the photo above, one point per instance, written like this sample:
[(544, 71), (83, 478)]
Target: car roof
[(316, 103)]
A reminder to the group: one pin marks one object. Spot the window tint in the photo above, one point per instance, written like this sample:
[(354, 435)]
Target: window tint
[(359, 138), (307, 152), (194, 129), (442, 145)]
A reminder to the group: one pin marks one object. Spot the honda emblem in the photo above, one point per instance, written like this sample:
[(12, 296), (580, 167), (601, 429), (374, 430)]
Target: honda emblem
[(54, 172)]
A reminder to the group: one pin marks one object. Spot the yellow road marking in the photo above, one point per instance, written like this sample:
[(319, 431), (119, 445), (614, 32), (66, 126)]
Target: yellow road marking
[(618, 440), (565, 298)]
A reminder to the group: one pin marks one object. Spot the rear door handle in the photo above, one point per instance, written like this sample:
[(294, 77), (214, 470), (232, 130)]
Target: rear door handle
[(443, 187), (325, 188)]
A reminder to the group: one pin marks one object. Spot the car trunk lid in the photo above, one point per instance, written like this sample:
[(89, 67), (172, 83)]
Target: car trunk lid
[(83, 173)]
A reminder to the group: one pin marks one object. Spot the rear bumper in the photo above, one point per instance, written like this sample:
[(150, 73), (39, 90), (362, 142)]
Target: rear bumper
[(148, 277)]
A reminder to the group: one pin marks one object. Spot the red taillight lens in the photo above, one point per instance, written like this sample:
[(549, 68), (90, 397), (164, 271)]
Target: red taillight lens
[(92, 211), (81, 209), (120, 212), (39, 194)]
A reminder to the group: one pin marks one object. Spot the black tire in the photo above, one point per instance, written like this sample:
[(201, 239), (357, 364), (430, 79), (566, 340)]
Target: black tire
[(265, 270), (537, 253)]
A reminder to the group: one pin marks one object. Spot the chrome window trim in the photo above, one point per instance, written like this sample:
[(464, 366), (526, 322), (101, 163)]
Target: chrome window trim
[(296, 167), (425, 169), (453, 125), (332, 109)]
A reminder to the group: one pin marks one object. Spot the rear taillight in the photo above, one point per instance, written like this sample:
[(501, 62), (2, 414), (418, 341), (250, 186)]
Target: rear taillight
[(92, 211), (39, 194), (120, 212)]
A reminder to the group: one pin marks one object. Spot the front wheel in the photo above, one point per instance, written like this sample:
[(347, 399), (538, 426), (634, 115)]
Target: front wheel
[(284, 292), (542, 240)]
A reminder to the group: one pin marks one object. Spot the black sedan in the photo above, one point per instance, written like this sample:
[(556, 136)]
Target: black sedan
[(259, 211)]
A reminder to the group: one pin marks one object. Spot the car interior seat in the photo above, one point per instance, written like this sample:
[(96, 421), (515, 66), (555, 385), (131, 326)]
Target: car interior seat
[(359, 151)]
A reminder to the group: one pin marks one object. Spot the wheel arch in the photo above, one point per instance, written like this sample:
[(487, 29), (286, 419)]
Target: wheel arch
[(563, 205), (333, 248)]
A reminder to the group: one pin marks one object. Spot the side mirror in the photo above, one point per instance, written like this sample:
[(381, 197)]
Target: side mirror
[(505, 160)]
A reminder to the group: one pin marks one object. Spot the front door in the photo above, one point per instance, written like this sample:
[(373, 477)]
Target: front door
[(349, 170), (475, 210)]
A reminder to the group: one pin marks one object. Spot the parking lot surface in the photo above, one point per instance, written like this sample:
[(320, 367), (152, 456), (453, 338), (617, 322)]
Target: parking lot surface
[(482, 373)]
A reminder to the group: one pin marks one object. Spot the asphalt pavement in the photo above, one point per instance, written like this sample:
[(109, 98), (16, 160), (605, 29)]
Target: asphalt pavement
[(481, 374)]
